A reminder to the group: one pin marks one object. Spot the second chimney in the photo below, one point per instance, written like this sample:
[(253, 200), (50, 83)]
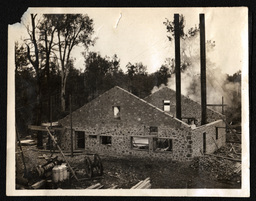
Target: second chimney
[(203, 69), (177, 65)]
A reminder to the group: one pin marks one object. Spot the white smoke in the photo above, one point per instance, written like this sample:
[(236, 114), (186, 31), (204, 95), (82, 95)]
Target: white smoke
[(156, 88), (216, 81)]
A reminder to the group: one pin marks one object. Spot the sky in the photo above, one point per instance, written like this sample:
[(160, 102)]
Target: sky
[(139, 35)]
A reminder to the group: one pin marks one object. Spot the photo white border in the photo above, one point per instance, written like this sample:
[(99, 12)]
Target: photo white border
[(10, 163)]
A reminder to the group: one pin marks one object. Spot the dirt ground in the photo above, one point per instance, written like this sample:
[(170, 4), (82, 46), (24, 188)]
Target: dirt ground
[(125, 173)]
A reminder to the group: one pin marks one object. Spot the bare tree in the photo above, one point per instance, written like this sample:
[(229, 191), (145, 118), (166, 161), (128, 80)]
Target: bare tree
[(47, 32), (72, 29), (34, 60)]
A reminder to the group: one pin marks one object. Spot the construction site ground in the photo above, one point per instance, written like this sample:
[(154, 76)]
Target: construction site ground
[(202, 172)]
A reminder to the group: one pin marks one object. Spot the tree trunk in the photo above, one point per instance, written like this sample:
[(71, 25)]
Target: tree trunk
[(39, 114), (36, 66), (63, 90), (63, 103), (47, 66)]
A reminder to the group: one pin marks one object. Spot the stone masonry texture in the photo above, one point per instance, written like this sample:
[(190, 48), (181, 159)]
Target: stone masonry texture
[(136, 117), (189, 108)]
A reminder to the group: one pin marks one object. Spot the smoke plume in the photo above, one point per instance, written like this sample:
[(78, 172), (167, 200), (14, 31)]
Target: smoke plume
[(217, 83)]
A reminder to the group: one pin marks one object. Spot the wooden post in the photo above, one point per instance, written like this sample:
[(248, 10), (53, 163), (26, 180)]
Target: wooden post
[(21, 151), (51, 110), (203, 69), (222, 105), (71, 126), (177, 65)]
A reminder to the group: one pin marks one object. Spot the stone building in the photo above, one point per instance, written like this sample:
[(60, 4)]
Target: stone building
[(119, 123), (165, 99)]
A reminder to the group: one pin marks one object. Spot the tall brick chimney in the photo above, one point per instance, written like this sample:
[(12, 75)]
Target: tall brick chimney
[(203, 69), (177, 65)]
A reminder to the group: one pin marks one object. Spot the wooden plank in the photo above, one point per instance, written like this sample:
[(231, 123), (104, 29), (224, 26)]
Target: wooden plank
[(72, 171), (48, 124), (27, 142), (233, 148), (141, 183), (39, 184), (135, 186), (228, 158), (95, 186), (78, 152), (231, 126), (43, 128), (113, 187), (145, 185), (219, 105), (101, 186)]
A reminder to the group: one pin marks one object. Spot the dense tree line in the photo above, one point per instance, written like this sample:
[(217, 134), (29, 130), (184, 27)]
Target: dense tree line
[(100, 74), (45, 74)]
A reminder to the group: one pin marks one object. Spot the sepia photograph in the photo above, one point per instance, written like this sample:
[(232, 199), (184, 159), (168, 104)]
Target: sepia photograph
[(128, 102)]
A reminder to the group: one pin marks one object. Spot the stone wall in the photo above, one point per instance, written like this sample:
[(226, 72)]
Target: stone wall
[(189, 108), (211, 141), (136, 118), (122, 142), (133, 112)]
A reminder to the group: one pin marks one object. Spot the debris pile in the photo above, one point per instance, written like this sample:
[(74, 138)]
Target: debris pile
[(230, 150), (224, 165)]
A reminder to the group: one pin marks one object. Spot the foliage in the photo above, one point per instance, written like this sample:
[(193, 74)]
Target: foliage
[(234, 111), (171, 27), (45, 73), (72, 29)]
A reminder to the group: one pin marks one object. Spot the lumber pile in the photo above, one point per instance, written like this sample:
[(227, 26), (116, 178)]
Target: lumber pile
[(144, 184)]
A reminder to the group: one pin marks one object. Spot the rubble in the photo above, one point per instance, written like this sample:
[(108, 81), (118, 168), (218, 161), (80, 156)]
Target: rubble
[(222, 167), (125, 173)]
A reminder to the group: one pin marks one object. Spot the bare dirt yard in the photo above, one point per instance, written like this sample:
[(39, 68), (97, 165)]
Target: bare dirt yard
[(203, 172)]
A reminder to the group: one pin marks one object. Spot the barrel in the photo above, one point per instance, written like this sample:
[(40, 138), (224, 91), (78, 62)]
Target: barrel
[(61, 168), (55, 174), (65, 171)]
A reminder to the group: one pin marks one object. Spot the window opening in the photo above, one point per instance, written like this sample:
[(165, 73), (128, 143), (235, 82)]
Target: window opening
[(162, 144), (153, 129), (167, 107), (107, 140), (80, 139), (116, 110), (140, 143), (93, 136)]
